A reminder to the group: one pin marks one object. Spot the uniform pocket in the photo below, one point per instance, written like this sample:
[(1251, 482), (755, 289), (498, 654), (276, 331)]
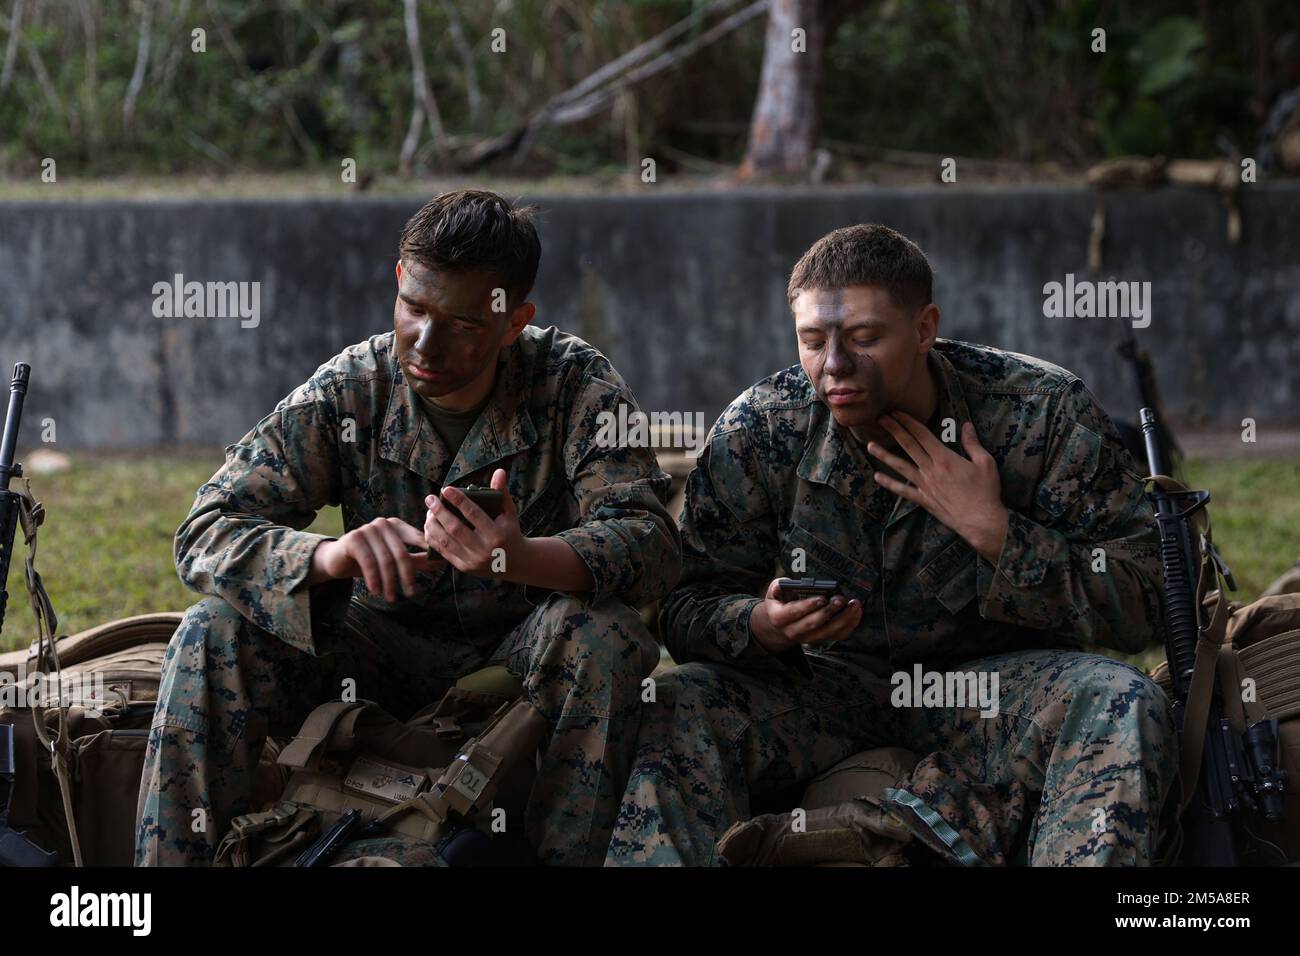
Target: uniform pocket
[(541, 508), (1069, 481), (951, 577), (821, 560)]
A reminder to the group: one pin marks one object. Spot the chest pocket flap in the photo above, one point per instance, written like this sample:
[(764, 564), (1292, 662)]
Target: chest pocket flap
[(1068, 482), (951, 577), (823, 561)]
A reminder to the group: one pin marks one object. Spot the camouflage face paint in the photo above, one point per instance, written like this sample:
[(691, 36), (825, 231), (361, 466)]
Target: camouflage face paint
[(256, 653), (447, 335), (853, 350), (781, 486)]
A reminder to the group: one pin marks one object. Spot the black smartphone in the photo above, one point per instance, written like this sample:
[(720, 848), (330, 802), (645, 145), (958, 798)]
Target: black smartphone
[(488, 499), (797, 589)]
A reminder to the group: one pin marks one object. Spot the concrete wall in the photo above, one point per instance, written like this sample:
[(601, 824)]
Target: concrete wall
[(684, 292)]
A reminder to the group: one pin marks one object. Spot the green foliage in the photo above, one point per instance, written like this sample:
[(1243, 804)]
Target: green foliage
[(1148, 78), (105, 549), (1255, 509), (1163, 55), (290, 84)]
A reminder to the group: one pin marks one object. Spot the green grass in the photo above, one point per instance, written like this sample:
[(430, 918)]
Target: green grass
[(1255, 519), (105, 550), (1255, 514)]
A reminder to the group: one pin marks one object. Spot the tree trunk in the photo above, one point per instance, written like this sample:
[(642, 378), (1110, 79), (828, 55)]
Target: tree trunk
[(783, 130), (784, 125)]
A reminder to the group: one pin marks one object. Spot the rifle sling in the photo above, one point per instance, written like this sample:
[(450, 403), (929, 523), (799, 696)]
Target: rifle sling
[(31, 513), (1196, 714)]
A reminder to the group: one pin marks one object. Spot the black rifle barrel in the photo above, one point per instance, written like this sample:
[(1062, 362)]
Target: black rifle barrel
[(8, 499), (1155, 447), (1210, 837), (1179, 564), (17, 392), (16, 849)]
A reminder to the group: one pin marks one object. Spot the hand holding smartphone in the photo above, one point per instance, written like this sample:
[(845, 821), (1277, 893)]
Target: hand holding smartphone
[(488, 499), (797, 589)]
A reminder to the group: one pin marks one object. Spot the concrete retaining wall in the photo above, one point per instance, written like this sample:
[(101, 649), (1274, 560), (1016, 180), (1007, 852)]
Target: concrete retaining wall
[(684, 292)]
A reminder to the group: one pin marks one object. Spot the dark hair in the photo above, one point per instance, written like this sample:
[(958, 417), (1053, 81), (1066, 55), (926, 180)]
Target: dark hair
[(868, 254), (473, 229)]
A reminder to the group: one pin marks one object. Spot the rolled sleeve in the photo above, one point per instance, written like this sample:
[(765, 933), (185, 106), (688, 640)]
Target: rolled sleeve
[(728, 543), (607, 556), (1088, 569), (629, 544), (626, 537), (243, 540)]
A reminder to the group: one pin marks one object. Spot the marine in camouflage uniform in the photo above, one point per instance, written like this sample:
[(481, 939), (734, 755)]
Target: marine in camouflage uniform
[(1073, 766), (266, 646)]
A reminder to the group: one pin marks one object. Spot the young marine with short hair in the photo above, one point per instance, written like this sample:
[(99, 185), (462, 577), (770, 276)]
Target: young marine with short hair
[(463, 391), (980, 515)]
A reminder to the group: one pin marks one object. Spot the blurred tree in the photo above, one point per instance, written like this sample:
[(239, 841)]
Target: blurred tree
[(123, 86), (783, 129)]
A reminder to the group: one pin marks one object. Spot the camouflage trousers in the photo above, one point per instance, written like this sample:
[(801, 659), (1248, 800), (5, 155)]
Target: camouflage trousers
[(1090, 739), (227, 684)]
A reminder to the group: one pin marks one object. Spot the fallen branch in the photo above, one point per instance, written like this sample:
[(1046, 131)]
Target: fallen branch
[(11, 47), (594, 93), (141, 63), (424, 106), (904, 157)]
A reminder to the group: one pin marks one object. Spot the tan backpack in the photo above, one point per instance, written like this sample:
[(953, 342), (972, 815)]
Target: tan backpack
[(843, 820), (433, 790), (1258, 675), (74, 771), (70, 776)]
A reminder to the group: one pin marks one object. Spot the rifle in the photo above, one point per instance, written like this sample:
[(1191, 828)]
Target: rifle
[(1144, 376), (15, 848), (1232, 774), (10, 469)]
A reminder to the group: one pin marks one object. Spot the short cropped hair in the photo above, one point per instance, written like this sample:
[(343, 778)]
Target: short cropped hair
[(476, 230), (867, 254)]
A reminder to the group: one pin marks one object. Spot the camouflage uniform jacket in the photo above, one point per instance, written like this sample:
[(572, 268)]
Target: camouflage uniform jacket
[(353, 435), (781, 489)]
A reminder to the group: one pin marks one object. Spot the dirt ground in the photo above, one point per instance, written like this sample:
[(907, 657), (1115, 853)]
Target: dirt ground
[(1275, 442)]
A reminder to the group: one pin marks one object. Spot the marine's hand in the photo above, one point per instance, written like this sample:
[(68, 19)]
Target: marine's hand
[(779, 626), (473, 548), (964, 495), (380, 553)]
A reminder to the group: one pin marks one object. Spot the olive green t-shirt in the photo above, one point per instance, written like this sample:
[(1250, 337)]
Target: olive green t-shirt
[(452, 427)]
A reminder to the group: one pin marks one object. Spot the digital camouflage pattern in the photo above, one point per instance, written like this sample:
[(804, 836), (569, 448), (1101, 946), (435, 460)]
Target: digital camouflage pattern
[(1091, 737), (265, 648), (780, 490)]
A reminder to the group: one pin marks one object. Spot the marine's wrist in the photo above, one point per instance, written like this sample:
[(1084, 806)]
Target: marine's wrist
[(320, 569), (990, 535)]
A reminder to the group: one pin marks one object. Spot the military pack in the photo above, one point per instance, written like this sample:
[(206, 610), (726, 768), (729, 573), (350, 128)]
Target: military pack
[(433, 790), (74, 728), (1256, 663)]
